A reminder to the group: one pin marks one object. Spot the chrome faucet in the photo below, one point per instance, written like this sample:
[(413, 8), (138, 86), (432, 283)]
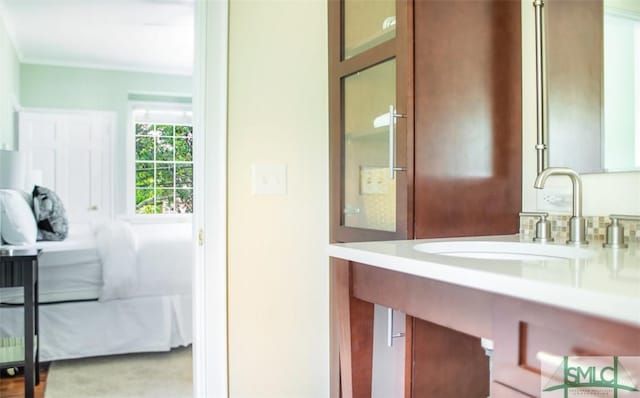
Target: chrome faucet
[(577, 226)]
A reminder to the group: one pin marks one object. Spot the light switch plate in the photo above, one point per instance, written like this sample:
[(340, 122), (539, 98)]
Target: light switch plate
[(374, 180), (269, 179)]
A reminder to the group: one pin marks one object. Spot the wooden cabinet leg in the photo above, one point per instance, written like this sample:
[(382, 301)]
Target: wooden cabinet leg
[(334, 330), (361, 315), (352, 324)]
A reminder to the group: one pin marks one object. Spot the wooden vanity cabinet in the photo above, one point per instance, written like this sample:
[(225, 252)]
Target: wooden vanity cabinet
[(452, 70), (444, 357), (525, 333), (442, 329)]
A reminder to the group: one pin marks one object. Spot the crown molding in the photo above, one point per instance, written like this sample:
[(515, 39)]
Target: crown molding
[(105, 67)]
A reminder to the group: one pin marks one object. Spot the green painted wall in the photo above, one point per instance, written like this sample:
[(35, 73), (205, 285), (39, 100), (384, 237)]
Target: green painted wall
[(45, 86), (9, 88), (57, 87)]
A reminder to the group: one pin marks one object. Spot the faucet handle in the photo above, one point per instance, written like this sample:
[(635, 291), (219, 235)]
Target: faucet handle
[(615, 231), (625, 217), (534, 214), (543, 226)]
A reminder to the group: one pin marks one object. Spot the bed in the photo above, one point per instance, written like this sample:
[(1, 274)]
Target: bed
[(115, 289)]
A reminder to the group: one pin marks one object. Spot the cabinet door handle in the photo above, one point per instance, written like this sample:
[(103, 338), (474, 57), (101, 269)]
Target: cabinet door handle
[(390, 334), (392, 142)]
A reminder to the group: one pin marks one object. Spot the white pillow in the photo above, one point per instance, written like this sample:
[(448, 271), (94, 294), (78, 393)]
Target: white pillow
[(18, 222)]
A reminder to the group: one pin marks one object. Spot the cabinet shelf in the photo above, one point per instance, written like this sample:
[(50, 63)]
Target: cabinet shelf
[(369, 42), (12, 350), (367, 135)]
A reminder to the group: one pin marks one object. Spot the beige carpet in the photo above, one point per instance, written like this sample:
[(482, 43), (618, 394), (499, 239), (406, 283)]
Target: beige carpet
[(153, 375)]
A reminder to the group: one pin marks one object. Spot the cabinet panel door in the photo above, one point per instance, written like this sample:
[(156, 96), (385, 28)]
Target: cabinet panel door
[(447, 363), (468, 124)]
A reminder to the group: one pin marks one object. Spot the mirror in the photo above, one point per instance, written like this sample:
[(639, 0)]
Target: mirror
[(593, 84), (622, 84)]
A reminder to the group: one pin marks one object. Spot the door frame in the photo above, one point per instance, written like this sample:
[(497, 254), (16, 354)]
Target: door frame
[(210, 349)]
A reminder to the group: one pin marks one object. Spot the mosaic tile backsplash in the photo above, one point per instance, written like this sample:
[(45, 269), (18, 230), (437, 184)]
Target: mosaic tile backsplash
[(596, 227)]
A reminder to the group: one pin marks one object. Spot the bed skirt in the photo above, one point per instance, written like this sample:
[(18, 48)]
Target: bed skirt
[(94, 328)]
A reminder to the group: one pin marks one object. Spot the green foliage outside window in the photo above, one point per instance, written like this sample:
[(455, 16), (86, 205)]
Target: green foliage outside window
[(164, 168)]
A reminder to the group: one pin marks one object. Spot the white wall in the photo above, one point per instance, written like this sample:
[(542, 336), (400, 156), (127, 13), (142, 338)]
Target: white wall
[(277, 263), (603, 193), (9, 87)]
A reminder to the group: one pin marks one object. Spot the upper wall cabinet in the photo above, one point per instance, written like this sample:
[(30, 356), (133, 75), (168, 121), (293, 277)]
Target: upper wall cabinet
[(468, 117), (425, 118), (369, 92)]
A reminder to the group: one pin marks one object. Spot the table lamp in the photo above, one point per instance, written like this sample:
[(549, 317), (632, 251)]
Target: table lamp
[(11, 169)]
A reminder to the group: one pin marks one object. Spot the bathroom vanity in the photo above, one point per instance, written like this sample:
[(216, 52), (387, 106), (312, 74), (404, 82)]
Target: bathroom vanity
[(535, 302)]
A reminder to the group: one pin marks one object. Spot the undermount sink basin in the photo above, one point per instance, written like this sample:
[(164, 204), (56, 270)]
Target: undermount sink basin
[(503, 250)]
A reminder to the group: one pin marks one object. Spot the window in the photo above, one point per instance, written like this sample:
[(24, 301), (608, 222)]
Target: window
[(163, 162)]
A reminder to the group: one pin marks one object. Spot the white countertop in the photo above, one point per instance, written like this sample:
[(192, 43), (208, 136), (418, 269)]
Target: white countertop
[(606, 284)]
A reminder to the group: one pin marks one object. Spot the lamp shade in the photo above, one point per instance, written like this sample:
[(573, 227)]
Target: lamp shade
[(11, 169)]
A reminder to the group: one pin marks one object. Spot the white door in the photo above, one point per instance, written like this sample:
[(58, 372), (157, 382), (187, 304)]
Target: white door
[(71, 151)]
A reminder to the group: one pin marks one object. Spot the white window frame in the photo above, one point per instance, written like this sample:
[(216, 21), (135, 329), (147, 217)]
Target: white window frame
[(160, 107)]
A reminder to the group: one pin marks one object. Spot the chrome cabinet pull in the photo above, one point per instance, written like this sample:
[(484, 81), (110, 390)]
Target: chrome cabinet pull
[(390, 334), (392, 142)]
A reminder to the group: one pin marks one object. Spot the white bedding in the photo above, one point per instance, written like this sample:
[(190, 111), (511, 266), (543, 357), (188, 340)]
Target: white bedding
[(165, 259), (68, 270), (73, 280), (94, 328), (149, 312), (117, 248), (119, 261)]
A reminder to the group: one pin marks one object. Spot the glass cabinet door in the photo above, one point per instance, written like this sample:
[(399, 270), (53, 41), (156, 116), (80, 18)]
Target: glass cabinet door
[(370, 76), (369, 191), (367, 24)]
